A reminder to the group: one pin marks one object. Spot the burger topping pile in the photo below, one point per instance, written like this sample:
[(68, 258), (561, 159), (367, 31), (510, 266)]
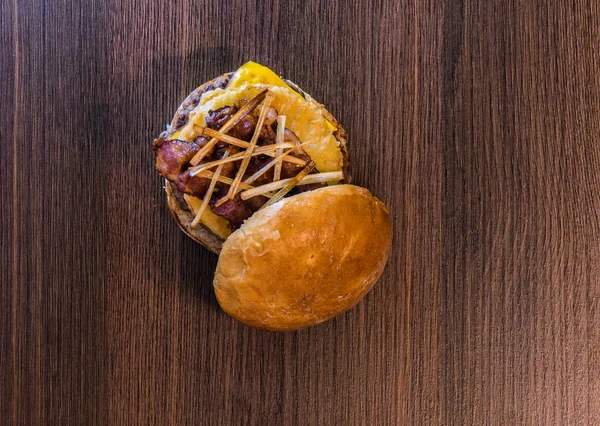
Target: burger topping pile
[(243, 160)]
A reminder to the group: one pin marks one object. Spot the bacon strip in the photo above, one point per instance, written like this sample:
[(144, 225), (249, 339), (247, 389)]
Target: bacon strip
[(172, 156)]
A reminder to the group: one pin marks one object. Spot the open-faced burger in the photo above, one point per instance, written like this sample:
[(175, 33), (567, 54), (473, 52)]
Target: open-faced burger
[(257, 171)]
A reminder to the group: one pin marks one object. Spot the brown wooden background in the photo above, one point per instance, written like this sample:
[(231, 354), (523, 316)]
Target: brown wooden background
[(476, 121)]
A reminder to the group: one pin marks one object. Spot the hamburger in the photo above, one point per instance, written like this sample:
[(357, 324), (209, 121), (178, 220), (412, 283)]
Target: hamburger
[(257, 171)]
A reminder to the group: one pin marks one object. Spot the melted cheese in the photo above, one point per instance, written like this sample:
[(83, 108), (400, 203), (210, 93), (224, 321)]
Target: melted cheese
[(252, 73), (303, 118), (215, 223)]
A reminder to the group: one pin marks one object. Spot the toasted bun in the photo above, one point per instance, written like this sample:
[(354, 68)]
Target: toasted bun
[(184, 218), (178, 207), (304, 259)]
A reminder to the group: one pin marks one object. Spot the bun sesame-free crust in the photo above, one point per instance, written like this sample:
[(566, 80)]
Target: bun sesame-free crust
[(304, 259)]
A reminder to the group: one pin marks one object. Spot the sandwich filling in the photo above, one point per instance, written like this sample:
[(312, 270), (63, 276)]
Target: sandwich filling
[(245, 146)]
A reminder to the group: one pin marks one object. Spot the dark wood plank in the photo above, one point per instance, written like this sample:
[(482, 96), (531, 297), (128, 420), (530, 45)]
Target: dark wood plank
[(477, 122)]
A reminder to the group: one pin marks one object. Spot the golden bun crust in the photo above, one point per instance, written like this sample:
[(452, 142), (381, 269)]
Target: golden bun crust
[(304, 259), (178, 209)]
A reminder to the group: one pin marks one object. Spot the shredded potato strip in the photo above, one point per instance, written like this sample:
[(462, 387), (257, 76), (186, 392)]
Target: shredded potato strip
[(279, 139), (307, 180), (242, 144), (263, 150), (242, 112), (290, 185), (224, 179), (248, 153), (207, 131), (275, 162), (210, 191)]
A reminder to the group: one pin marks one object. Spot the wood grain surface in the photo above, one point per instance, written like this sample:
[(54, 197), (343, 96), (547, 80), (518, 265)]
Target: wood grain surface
[(477, 122)]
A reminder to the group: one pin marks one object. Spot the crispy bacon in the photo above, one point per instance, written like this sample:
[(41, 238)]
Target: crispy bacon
[(173, 157), (255, 164), (289, 170), (267, 135), (235, 211), (193, 185), (242, 130), (310, 187), (269, 118), (255, 203), (228, 170)]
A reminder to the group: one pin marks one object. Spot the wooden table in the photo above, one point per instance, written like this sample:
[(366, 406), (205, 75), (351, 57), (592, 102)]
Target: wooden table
[(477, 122)]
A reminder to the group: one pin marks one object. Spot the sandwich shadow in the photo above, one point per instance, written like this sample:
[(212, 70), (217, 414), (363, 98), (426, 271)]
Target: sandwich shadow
[(197, 269), (176, 76)]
